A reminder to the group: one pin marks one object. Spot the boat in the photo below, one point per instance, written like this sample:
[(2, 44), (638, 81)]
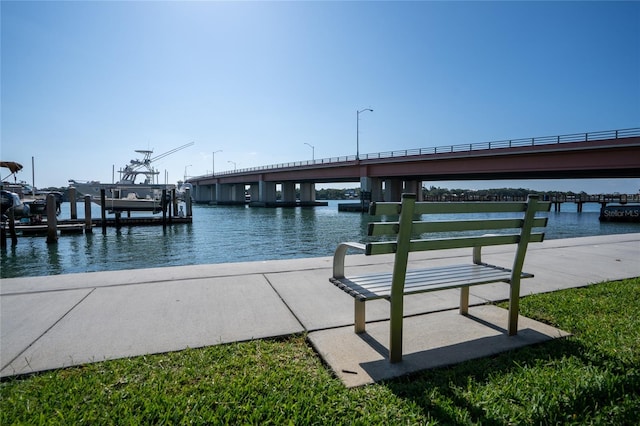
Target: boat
[(136, 190), (138, 177), (35, 200), (11, 201), (181, 192), (132, 203)]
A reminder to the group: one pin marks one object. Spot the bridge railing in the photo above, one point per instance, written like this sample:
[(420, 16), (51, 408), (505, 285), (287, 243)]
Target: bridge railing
[(476, 146), (511, 143)]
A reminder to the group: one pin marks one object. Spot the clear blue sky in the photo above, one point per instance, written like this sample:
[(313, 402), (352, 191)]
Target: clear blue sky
[(84, 84)]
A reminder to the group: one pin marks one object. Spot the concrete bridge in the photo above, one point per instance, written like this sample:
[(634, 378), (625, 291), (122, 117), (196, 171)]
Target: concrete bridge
[(386, 175)]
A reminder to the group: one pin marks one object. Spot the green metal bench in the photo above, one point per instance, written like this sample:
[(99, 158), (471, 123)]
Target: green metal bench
[(409, 236)]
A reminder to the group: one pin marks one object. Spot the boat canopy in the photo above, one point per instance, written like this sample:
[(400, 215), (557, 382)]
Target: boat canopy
[(11, 165)]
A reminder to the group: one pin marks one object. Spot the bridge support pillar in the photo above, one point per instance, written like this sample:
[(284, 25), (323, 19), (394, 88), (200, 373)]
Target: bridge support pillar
[(197, 192), (223, 192), (414, 187), (393, 190), (203, 193), (237, 193), (374, 186), (289, 192), (213, 192), (254, 192), (266, 192), (308, 192)]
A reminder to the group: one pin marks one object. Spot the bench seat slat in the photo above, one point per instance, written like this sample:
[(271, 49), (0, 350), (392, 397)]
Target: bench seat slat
[(378, 286), (417, 278)]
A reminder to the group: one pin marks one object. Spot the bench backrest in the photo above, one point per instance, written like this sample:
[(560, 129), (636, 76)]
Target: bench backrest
[(408, 231), (523, 221)]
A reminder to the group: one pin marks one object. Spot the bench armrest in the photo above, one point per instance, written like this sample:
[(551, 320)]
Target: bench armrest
[(338, 257)]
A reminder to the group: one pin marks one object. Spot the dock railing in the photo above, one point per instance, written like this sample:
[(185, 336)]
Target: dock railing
[(552, 197)]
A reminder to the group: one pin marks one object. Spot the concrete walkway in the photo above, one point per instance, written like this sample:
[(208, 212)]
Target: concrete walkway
[(64, 320)]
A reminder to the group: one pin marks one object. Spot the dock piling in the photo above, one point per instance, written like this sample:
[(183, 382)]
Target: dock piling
[(103, 213), (52, 220), (87, 214), (72, 203), (12, 227), (187, 200), (165, 206), (174, 206)]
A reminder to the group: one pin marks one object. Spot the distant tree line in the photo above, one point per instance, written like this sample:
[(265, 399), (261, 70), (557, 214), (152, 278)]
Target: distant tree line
[(482, 194), (495, 194), (337, 194)]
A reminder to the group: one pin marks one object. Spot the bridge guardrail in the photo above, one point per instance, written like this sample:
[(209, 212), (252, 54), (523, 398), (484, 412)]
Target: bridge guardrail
[(476, 146)]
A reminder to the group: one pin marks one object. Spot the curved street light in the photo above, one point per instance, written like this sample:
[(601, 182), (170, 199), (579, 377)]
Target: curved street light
[(358, 131), (185, 171), (313, 151), (234, 164)]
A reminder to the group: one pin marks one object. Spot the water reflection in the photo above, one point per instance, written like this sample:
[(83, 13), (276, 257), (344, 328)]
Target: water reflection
[(53, 259)]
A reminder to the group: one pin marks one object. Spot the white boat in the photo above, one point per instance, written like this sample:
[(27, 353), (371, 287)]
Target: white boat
[(136, 190), (138, 177), (181, 192)]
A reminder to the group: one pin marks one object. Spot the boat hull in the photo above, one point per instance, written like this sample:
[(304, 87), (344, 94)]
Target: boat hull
[(140, 190), (130, 205)]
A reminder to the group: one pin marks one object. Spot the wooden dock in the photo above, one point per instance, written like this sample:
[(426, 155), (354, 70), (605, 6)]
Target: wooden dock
[(42, 228), (66, 227), (52, 227), (142, 221), (602, 199), (556, 199)]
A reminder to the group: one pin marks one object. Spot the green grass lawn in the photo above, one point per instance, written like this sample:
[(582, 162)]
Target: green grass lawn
[(592, 377)]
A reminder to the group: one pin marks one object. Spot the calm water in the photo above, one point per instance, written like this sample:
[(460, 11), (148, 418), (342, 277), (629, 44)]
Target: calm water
[(221, 234)]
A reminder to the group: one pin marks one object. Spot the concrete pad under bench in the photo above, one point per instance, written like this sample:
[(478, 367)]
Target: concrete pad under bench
[(430, 341)]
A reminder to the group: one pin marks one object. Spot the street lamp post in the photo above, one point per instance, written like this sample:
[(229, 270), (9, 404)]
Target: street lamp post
[(213, 162), (313, 151), (234, 164), (358, 131), (185, 171)]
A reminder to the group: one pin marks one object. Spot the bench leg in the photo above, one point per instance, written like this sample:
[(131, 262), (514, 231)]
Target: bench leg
[(464, 300), (359, 315), (395, 331), (514, 306)]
